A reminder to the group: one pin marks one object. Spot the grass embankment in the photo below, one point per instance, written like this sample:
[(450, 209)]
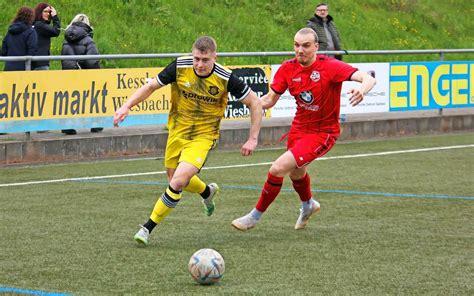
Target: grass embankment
[(170, 26)]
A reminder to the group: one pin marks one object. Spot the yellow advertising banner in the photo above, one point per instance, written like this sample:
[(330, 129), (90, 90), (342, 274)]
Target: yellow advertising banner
[(52, 100), (83, 93)]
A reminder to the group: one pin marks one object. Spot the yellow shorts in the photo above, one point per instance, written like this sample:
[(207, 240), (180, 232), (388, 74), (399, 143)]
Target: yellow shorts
[(190, 151)]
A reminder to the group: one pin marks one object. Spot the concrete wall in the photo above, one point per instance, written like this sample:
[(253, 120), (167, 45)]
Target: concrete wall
[(151, 142)]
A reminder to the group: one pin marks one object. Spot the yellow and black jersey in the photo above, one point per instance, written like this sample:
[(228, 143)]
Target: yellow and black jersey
[(198, 103)]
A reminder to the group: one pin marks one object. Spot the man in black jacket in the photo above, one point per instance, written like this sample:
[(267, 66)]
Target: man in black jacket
[(322, 23)]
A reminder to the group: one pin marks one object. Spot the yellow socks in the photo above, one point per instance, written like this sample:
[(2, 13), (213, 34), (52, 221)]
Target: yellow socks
[(195, 185), (165, 204)]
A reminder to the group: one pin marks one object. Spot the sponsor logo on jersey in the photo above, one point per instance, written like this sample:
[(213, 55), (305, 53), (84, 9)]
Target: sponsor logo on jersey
[(187, 84), (306, 97), (298, 79), (315, 76), (190, 95), (313, 108), (213, 90)]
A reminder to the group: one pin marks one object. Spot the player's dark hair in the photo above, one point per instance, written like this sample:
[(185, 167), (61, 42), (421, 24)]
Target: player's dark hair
[(309, 31), (26, 15), (205, 43)]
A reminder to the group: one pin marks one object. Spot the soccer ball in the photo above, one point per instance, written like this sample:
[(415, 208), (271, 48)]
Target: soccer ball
[(206, 266)]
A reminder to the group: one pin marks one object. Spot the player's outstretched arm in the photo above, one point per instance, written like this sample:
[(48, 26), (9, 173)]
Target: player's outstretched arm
[(367, 83), (140, 95), (252, 101), (269, 100)]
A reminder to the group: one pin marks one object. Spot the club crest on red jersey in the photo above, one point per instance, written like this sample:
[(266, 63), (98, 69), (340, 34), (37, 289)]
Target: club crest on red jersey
[(315, 76)]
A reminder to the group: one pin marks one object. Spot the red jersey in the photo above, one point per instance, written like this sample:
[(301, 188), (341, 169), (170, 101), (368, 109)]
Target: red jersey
[(317, 91)]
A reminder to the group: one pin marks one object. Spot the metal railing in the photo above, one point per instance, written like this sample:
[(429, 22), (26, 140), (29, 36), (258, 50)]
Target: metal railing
[(29, 59)]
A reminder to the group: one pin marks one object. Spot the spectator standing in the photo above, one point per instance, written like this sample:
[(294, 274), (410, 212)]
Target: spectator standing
[(322, 23), (21, 38), (78, 41), (44, 15)]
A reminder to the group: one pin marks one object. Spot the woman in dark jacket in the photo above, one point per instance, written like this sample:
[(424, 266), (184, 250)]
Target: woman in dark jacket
[(78, 41), (44, 14), (20, 39)]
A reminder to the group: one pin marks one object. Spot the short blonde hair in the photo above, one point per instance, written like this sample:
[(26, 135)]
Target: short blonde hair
[(205, 43), (80, 18), (305, 31)]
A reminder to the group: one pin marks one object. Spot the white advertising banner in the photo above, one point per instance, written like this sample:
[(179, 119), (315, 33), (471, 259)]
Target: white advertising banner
[(377, 100), (286, 106)]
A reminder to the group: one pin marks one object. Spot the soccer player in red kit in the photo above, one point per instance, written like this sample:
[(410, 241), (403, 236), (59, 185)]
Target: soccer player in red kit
[(315, 81)]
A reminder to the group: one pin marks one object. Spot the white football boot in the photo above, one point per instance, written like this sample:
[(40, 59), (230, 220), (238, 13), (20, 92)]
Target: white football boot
[(304, 216), (245, 222), (142, 236), (209, 204)]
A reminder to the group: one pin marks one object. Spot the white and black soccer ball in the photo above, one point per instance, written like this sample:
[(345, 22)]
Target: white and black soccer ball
[(206, 266)]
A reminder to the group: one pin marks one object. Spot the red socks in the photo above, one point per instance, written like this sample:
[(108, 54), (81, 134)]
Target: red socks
[(269, 192), (273, 186), (303, 187)]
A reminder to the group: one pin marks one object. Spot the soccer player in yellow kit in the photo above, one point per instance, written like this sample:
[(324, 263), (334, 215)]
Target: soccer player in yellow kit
[(199, 94)]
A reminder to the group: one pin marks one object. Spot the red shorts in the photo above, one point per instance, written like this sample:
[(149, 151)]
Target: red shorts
[(307, 147)]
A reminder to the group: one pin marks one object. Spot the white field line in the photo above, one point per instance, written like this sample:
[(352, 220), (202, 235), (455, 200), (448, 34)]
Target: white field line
[(237, 165)]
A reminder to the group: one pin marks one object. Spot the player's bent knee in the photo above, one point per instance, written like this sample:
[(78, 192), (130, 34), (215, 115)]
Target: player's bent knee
[(179, 183), (297, 174), (277, 170)]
